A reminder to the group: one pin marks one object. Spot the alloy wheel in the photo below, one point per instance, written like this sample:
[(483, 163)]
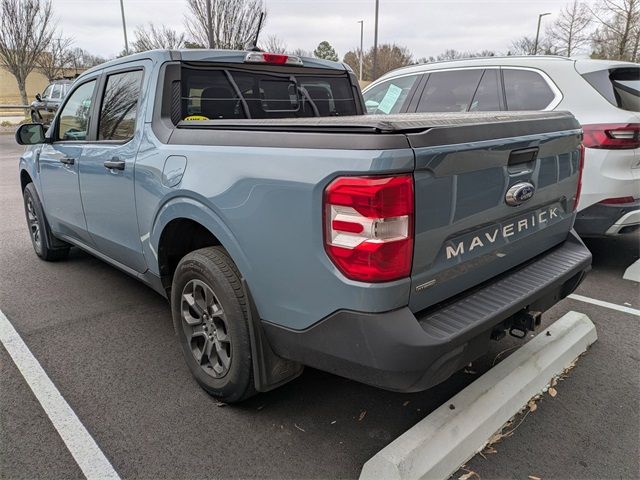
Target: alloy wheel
[(206, 328), (34, 224)]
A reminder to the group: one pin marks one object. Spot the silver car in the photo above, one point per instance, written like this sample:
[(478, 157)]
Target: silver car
[(603, 95)]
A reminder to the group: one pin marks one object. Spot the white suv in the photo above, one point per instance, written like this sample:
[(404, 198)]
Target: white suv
[(603, 95)]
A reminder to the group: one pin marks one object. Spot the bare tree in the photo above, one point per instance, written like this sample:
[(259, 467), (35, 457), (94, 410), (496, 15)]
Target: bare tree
[(526, 46), (570, 31), (58, 58), (522, 46), (153, 37), (274, 44), (224, 24), (301, 52), (390, 57), (618, 35), (82, 60), (26, 29)]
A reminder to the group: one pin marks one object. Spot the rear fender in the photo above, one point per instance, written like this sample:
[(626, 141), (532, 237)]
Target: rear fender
[(192, 209)]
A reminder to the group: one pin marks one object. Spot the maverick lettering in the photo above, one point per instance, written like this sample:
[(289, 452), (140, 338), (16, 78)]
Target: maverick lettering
[(506, 231)]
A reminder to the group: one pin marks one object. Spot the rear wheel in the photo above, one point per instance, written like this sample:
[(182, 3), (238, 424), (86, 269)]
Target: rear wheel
[(44, 243), (209, 311)]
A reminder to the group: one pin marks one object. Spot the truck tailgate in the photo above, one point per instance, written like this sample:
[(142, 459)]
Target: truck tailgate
[(469, 226)]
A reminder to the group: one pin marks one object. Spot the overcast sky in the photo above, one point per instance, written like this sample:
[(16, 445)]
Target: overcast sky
[(427, 27)]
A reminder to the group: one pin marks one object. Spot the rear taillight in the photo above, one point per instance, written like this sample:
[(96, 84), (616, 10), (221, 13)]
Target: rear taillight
[(369, 226), (612, 136), (617, 200), (580, 169)]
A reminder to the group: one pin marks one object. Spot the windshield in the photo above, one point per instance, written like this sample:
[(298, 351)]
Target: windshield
[(620, 86), (225, 93)]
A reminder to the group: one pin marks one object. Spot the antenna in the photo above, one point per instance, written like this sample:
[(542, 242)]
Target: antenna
[(255, 48)]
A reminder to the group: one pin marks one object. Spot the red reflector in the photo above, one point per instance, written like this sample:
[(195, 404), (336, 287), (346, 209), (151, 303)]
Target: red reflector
[(374, 262), (581, 169), (618, 200), (617, 136), (351, 227), (369, 226), (275, 58)]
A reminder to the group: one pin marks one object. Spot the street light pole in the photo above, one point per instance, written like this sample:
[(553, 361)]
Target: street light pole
[(210, 25), (361, 22), (124, 29), (535, 46), (375, 44)]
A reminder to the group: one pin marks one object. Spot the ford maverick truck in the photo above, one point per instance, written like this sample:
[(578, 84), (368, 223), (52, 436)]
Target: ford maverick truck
[(287, 228)]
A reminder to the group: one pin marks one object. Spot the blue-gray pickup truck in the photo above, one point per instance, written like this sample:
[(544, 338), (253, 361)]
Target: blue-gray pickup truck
[(288, 228)]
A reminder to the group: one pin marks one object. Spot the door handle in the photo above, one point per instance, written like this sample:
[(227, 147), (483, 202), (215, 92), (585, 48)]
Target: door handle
[(114, 164), (67, 160)]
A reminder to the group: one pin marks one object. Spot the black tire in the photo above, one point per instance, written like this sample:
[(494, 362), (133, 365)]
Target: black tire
[(35, 118), (213, 319), (44, 243)]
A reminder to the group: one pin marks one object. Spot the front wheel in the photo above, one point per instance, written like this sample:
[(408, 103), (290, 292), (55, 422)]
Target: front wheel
[(209, 310), (44, 243), (35, 118)]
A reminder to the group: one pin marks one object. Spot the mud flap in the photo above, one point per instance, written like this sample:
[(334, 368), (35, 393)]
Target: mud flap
[(269, 370)]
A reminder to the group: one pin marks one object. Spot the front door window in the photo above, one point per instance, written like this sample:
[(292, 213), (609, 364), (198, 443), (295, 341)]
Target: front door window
[(74, 119)]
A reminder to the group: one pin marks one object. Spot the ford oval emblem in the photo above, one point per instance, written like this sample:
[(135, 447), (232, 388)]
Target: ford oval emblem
[(519, 193)]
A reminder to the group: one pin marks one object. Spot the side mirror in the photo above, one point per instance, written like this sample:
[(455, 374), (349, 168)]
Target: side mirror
[(38, 97), (30, 134)]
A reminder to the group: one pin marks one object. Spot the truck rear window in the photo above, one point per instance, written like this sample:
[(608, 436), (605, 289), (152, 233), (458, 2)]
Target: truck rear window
[(620, 86), (227, 93)]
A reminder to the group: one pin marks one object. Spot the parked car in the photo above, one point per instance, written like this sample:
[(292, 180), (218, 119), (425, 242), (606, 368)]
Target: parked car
[(359, 245), (45, 106), (603, 95)]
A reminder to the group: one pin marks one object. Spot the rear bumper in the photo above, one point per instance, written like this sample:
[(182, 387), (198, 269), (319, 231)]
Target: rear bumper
[(608, 220), (403, 351)]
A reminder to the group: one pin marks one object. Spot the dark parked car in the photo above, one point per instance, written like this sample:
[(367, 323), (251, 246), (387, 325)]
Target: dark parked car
[(46, 104)]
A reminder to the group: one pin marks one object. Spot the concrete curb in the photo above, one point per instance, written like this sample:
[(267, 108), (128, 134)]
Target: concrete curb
[(437, 446)]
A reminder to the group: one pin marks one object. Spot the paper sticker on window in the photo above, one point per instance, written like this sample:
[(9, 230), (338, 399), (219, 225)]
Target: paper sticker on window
[(390, 99)]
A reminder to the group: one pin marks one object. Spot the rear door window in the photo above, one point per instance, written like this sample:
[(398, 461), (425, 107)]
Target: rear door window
[(390, 96), (488, 94), (119, 106), (620, 86), (450, 91), (526, 90), (234, 94)]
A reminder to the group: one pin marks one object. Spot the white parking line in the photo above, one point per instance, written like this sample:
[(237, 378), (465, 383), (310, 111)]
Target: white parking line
[(78, 440), (600, 303), (632, 272)]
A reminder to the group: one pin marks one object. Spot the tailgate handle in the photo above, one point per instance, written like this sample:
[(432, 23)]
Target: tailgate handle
[(526, 155)]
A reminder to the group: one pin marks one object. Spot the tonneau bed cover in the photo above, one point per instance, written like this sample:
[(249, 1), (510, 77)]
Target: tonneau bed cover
[(398, 123)]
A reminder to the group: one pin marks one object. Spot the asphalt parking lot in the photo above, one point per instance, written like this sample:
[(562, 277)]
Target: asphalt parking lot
[(107, 343)]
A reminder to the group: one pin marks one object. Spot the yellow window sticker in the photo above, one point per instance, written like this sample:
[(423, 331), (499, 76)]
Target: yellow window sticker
[(197, 117)]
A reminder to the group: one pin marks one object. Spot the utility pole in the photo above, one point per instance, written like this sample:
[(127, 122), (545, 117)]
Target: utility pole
[(361, 22), (375, 44), (209, 24), (535, 46), (124, 29)]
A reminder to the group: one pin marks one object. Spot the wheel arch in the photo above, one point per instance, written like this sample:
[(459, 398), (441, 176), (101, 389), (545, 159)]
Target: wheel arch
[(184, 225), (25, 179)]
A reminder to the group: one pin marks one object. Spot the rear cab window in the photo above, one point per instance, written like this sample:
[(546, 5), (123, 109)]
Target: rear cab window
[(620, 86), (210, 92)]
